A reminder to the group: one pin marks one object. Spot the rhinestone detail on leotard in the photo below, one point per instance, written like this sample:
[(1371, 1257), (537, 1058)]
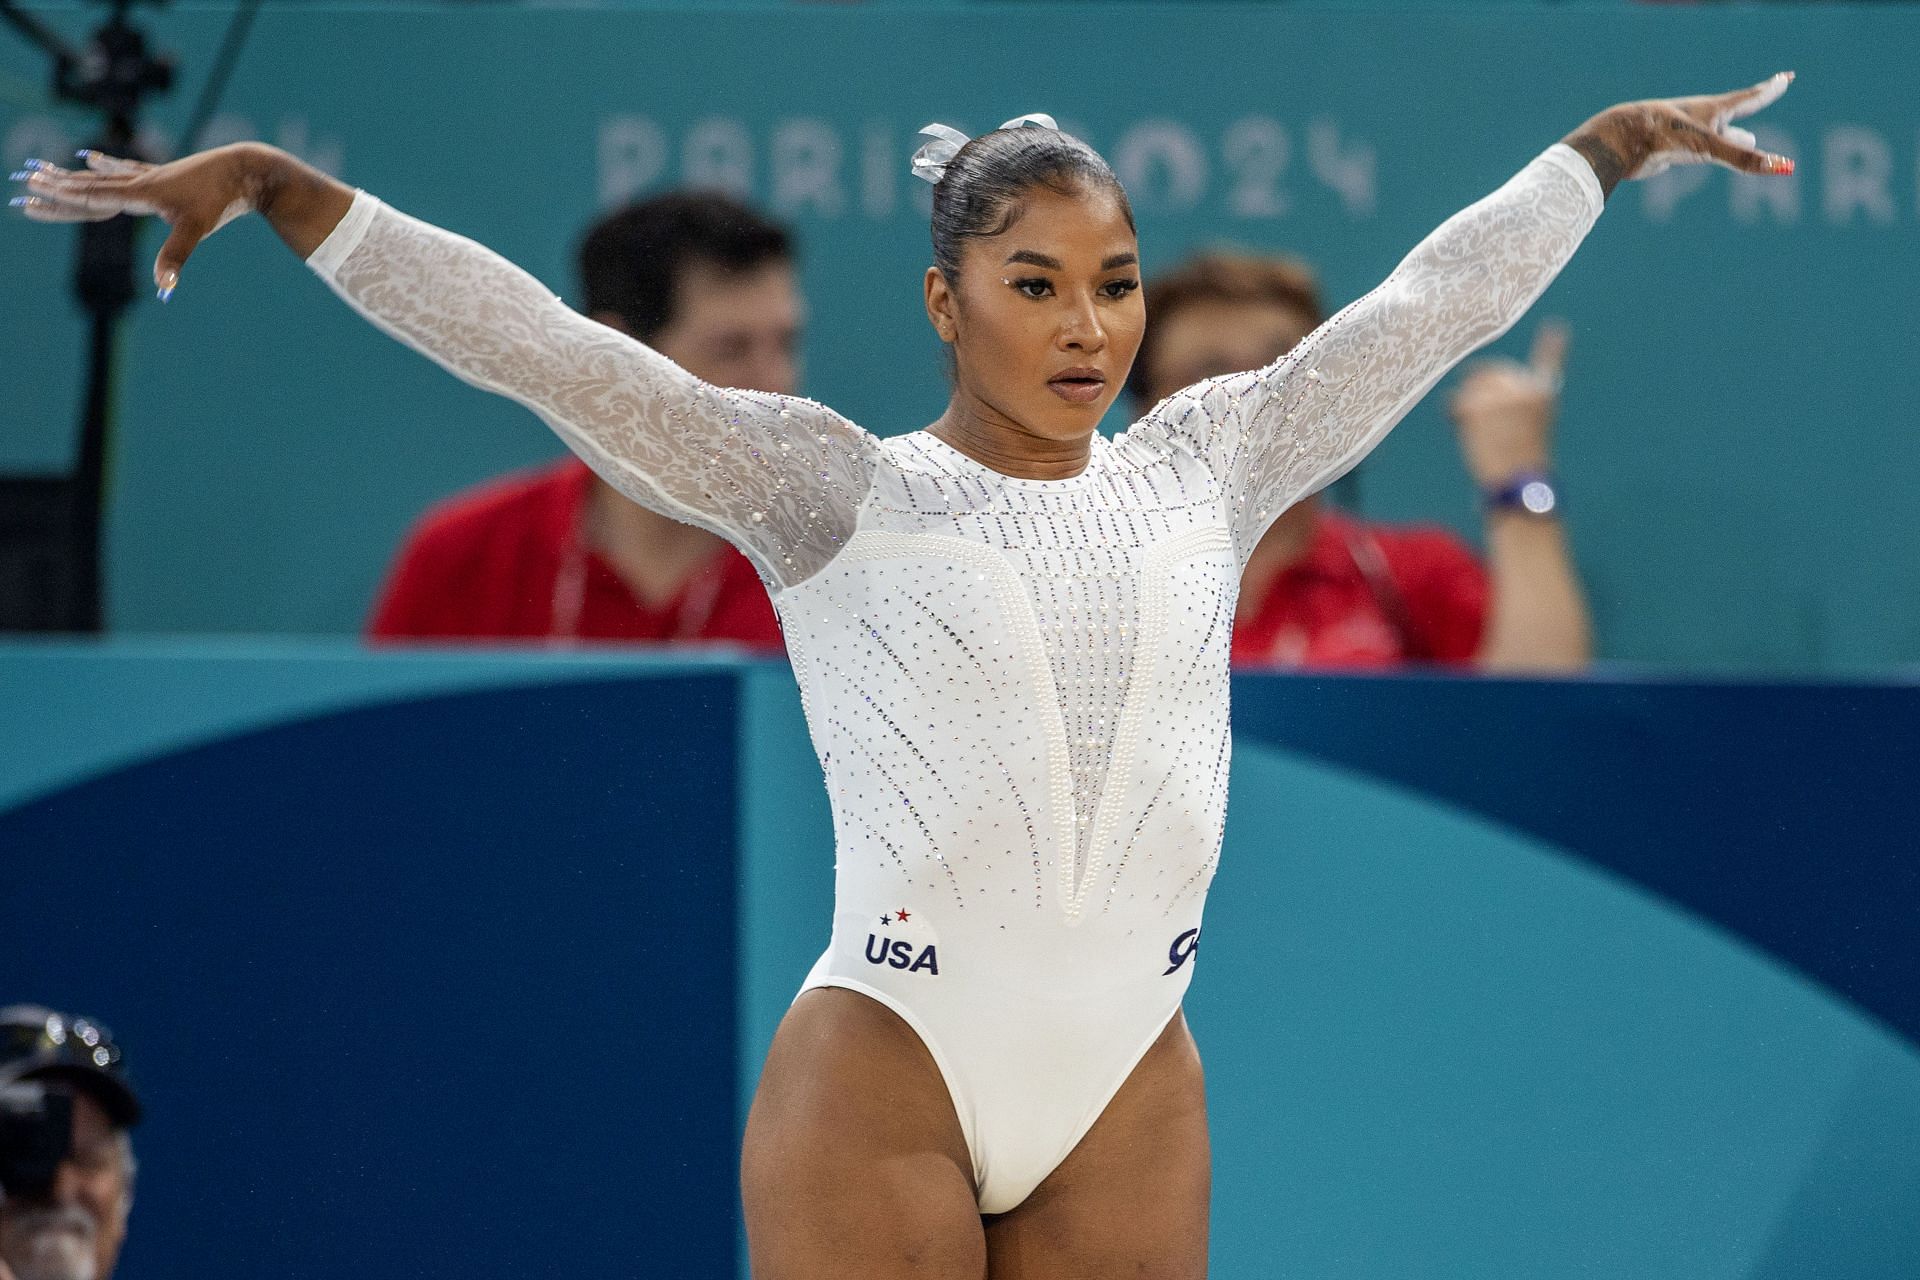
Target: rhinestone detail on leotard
[(1017, 689)]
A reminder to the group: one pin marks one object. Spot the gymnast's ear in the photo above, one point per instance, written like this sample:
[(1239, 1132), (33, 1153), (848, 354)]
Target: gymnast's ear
[(941, 305)]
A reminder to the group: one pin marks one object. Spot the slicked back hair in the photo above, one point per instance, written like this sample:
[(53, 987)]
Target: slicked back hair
[(981, 192)]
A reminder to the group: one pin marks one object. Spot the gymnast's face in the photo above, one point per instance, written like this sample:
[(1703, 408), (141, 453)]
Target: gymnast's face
[(1046, 317)]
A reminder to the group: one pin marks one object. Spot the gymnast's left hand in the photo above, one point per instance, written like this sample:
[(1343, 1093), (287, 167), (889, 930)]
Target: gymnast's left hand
[(1640, 139)]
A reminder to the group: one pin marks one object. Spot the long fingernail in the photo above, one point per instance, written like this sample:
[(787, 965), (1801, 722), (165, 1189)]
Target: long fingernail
[(82, 154), (37, 164), (20, 202), (20, 176), (165, 294), (1779, 164)]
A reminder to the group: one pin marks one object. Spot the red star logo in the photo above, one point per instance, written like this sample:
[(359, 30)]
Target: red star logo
[(902, 913)]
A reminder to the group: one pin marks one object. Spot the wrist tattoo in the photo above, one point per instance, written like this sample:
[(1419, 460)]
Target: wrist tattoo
[(1608, 164), (260, 182)]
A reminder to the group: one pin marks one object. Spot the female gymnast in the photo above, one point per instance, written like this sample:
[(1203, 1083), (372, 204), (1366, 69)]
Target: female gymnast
[(1011, 638)]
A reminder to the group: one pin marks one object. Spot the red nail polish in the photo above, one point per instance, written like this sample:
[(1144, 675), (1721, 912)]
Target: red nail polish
[(1782, 165)]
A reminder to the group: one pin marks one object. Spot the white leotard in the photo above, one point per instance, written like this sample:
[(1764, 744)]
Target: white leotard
[(1017, 688)]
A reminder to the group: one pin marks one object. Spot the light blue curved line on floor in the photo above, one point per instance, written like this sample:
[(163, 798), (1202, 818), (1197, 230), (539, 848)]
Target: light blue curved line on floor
[(71, 710), (1449, 1049)]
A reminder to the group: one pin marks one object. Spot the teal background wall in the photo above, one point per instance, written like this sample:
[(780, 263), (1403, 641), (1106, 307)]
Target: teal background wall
[(1737, 436), (464, 928), (1481, 1056)]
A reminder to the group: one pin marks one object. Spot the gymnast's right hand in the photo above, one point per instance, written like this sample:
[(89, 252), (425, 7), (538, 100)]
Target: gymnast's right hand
[(195, 195)]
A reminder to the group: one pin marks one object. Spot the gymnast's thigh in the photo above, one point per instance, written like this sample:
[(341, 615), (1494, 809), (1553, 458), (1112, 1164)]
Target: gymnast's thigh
[(1131, 1198), (855, 1166)]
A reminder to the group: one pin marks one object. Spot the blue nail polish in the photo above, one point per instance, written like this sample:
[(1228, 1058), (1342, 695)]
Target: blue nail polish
[(82, 154), (20, 176), (38, 164), (165, 294), (18, 201)]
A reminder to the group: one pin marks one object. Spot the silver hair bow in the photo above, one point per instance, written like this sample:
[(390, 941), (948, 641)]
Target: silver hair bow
[(944, 143)]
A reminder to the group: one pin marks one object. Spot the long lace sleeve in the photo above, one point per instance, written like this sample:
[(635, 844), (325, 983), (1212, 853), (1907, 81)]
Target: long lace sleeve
[(779, 477), (1274, 435)]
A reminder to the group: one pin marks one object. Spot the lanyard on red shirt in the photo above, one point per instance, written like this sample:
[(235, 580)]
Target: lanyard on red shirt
[(698, 598), (1371, 559)]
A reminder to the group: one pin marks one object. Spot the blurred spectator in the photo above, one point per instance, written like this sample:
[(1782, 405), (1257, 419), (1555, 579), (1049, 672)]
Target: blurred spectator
[(66, 1162), (559, 555), (1326, 589)]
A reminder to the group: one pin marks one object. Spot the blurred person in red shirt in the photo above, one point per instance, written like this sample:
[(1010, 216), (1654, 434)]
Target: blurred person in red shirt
[(558, 555), (1326, 589)]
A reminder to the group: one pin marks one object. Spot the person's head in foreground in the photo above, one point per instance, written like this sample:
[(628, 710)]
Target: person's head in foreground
[(1035, 285), (66, 1162), (704, 280)]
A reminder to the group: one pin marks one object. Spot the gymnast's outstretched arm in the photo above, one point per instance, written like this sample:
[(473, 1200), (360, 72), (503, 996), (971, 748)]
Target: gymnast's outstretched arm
[(780, 477), (1274, 435)]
